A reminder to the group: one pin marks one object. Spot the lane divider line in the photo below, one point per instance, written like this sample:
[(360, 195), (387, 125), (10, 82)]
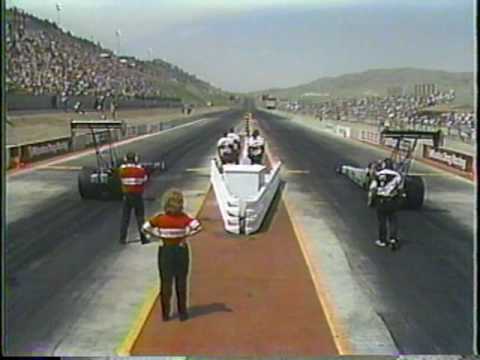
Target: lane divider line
[(59, 167), (197, 169), (297, 171), (126, 346), (139, 322), (342, 344)]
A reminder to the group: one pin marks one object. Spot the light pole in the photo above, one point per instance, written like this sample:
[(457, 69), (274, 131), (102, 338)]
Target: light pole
[(59, 9), (150, 52), (118, 34)]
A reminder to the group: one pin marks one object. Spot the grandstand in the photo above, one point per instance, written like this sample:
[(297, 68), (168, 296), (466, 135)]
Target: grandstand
[(43, 59)]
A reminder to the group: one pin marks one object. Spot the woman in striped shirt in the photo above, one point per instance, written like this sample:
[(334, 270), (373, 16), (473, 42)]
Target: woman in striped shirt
[(173, 227)]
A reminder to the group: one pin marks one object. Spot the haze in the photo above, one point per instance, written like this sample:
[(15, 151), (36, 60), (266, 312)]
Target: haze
[(252, 44)]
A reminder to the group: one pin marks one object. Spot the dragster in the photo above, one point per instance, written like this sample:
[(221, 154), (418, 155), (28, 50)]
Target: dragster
[(103, 181), (412, 188)]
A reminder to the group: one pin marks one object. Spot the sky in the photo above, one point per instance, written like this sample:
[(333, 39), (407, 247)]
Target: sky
[(250, 45)]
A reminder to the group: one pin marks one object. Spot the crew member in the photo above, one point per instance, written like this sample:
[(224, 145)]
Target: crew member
[(256, 147), (384, 194), (236, 144), (172, 228), (226, 149), (133, 177)]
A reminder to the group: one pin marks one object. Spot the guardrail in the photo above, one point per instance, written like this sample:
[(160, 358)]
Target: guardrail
[(38, 150), (450, 158)]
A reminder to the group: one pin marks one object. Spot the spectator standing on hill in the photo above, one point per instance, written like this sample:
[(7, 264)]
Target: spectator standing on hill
[(64, 100)]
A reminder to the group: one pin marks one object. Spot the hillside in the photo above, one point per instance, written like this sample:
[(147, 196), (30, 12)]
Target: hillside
[(376, 82), (46, 59)]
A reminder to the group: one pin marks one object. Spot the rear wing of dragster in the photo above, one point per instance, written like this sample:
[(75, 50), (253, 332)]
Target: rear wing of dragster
[(402, 155), (108, 125), (100, 127)]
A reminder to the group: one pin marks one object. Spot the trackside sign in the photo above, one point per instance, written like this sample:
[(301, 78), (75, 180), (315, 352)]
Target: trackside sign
[(448, 157), (41, 150)]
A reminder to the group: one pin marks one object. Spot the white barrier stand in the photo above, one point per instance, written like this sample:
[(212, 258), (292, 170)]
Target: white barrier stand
[(244, 194)]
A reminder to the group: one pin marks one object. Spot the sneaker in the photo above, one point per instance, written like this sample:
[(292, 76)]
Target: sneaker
[(380, 243), (143, 240), (393, 241)]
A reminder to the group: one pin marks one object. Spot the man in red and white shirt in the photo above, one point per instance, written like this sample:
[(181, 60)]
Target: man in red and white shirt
[(133, 177), (172, 228)]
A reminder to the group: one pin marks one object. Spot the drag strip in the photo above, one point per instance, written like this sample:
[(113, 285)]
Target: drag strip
[(55, 240), (423, 292)]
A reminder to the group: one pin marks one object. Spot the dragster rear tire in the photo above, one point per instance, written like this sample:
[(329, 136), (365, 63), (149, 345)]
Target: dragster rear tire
[(115, 186), (86, 189), (415, 192)]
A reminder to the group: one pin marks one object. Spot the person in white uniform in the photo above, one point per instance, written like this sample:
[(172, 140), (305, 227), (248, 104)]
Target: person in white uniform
[(225, 147), (256, 147), (236, 144)]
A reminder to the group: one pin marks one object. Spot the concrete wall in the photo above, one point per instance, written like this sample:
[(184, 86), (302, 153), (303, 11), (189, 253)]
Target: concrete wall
[(46, 102)]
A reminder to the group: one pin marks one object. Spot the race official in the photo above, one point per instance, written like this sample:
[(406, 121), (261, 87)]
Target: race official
[(256, 147), (236, 144), (133, 177), (172, 228), (226, 149), (384, 195)]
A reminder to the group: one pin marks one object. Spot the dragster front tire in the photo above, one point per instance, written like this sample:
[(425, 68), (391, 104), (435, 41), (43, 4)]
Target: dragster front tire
[(415, 192)]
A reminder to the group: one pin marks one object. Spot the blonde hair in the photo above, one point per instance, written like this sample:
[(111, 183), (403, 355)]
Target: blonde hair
[(173, 204)]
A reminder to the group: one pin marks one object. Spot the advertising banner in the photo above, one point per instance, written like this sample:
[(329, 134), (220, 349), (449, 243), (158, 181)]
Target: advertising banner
[(449, 157)]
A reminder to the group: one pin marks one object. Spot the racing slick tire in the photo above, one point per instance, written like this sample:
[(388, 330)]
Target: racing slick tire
[(86, 189), (415, 192)]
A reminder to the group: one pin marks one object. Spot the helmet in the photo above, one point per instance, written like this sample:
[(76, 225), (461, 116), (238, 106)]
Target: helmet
[(131, 156), (388, 164)]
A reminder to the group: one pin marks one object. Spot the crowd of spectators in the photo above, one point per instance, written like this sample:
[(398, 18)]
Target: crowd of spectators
[(405, 112), (42, 59)]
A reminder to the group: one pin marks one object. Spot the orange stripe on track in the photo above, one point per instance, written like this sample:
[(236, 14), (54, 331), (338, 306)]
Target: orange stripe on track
[(250, 296)]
